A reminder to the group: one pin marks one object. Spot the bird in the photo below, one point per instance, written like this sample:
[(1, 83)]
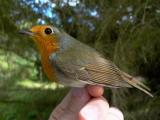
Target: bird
[(72, 63)]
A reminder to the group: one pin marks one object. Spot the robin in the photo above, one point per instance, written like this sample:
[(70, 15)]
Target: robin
[(75, 64)]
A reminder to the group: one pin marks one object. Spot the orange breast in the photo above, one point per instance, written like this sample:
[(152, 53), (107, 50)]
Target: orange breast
[(46, 47), (47, 67), (45, 52)]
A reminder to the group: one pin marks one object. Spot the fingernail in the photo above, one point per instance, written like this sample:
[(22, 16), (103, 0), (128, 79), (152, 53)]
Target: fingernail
[(95, 110), (77, 92), (90, 113)]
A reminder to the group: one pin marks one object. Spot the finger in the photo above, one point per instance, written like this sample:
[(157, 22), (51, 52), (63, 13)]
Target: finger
[(71, 105), (114, 114), (95, 110), (79, 97), (95, 90)]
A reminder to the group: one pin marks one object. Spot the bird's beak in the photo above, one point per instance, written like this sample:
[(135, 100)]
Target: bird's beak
[(25, 32)]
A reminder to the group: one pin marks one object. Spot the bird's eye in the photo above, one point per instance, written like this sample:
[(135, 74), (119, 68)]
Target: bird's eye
[(48, 31)]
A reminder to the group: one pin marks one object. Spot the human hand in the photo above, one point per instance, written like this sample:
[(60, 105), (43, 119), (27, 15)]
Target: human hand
[(85, 104)]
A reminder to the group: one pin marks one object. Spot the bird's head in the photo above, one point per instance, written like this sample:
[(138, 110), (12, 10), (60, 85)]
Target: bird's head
[(44, 36)]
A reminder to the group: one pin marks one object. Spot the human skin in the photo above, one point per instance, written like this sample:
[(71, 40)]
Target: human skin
[(85, 104)]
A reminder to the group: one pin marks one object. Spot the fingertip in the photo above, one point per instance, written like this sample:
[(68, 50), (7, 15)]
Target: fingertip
[(95, 90)]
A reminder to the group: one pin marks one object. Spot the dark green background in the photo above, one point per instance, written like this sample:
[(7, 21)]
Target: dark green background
[(125, 31)]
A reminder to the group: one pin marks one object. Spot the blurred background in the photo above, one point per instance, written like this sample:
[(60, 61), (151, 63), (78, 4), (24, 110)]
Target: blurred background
[(125, 31)]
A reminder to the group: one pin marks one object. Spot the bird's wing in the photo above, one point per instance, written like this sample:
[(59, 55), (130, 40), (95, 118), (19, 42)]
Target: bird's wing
[(101, 73), (95, 71)]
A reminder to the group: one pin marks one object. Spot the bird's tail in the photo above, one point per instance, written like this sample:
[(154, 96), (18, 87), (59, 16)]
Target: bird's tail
[(136, 83)]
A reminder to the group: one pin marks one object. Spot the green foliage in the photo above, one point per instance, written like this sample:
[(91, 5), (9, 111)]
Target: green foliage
[(126, 32), (28, 104)]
